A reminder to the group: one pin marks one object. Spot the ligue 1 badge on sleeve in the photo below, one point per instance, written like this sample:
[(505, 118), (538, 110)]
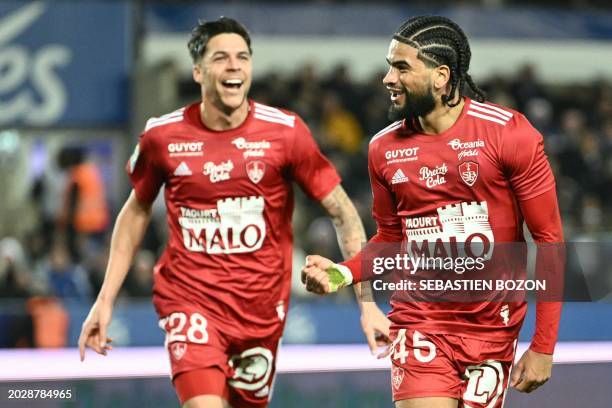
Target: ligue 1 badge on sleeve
[(469, 172), (256, 170)]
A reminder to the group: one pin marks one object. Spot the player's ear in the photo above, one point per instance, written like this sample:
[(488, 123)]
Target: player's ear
[(441, 77), (197, 73)]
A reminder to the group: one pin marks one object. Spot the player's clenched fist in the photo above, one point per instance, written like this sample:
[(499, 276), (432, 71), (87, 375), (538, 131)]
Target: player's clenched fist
[(321, 276)]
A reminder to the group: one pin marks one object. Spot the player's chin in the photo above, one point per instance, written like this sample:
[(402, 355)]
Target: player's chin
[(233, 102)]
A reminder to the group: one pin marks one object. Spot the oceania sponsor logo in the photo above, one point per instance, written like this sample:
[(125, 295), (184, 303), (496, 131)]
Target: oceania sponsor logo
[(457, 144), (251, 149), (402, 155), (185, 149), (218, 172), (433, 177)]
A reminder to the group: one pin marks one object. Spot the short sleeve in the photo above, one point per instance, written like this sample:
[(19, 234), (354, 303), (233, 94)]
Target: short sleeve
[(308, 166), (524, 160), (144, 174)]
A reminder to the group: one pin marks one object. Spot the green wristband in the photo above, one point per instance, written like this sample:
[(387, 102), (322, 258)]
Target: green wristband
[(339, 277)]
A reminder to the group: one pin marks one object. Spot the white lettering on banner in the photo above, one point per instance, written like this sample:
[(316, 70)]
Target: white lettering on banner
[(461, 229), (237, 225), (185, 149), (401, 155), (218, 172), (252, 149), (19, 66), (433, 177)]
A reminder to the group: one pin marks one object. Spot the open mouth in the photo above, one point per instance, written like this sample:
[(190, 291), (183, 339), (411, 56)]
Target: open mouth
[(395, 94), (232, 83)]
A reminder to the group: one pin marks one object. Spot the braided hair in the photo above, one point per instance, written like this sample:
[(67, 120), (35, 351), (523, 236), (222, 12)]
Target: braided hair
[(440, 41)]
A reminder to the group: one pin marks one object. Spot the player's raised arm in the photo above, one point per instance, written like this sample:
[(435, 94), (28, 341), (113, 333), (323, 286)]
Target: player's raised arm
[(128, 232)]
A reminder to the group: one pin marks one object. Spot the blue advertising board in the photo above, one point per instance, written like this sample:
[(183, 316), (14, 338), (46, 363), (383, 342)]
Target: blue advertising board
[(64, 63)]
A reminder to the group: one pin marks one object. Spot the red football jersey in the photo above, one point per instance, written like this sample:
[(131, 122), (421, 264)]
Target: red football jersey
[(461, 185), (229, 204)]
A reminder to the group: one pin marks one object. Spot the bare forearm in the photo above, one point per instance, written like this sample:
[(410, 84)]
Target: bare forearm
[(349, 229), (129, 229)]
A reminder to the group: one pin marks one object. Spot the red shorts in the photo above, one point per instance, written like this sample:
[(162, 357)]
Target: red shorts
[(473, 371), (206, 361)]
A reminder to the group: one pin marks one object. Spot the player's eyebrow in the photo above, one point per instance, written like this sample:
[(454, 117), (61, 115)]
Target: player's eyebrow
[(221, 53), (398, 64)]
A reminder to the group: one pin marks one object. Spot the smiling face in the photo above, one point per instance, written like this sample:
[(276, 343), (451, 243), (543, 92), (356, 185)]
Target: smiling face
[(224, 72), (413, 85)]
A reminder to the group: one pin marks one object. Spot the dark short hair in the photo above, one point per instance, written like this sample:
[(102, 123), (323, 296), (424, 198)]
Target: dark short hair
[(440, 41), (205, 30)]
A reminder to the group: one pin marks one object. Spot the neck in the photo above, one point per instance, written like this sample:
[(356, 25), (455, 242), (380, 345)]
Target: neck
[(441, 118), (216, 118)]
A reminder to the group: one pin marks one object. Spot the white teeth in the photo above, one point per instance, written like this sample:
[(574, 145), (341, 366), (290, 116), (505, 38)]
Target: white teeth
[(233, 82)]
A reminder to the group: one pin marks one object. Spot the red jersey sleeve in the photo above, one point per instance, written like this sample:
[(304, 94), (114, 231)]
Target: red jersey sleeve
[(544, 222), (308, 167), (143, 170), (523, 159)]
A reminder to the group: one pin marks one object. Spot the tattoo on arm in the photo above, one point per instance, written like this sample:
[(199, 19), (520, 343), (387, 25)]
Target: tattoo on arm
[(350, 232), (349, 229)]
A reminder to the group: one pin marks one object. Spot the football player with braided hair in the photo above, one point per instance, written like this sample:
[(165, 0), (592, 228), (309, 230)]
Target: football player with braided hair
[(451, 170)]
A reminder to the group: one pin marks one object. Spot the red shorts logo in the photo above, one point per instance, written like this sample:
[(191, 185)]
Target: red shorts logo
[(397, 377), (178, 350), (256, 170), (468, 172)]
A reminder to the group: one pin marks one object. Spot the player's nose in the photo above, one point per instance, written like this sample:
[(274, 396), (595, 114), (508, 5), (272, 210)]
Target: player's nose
[(233, 64), (390, 77)]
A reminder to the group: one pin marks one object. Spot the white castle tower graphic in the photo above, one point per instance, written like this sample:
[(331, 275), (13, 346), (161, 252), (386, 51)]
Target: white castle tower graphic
[(236, 211), (461, 222)]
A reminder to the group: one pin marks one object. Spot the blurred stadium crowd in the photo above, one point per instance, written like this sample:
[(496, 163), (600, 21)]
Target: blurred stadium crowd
[(65, 258)]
